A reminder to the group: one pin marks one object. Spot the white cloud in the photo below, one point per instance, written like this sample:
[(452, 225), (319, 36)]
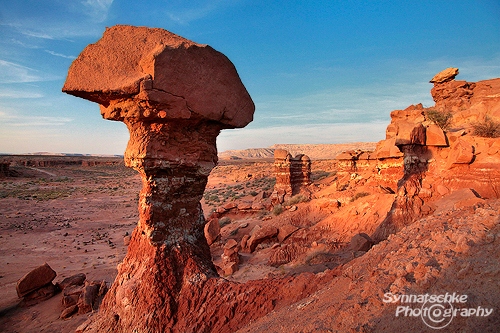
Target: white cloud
[(14, 73), (60, 55), (186, 12), (11, 93), (98, 9), (11, 119)]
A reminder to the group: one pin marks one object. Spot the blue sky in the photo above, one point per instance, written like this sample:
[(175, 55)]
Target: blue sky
[(318, 71)]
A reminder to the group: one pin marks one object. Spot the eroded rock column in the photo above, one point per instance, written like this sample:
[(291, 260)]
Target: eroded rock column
[(174, 96)]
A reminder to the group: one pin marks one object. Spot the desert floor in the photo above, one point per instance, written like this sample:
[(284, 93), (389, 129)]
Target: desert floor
[(75, 219)]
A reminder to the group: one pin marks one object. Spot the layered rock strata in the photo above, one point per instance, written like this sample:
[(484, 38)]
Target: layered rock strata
[(293, 174)]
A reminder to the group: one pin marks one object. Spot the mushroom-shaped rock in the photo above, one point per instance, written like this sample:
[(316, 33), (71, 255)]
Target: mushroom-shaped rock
[(155, 75), (174, 96), (444, 76)]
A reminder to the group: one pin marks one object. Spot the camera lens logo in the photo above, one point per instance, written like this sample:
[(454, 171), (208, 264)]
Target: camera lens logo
[(437, 315)]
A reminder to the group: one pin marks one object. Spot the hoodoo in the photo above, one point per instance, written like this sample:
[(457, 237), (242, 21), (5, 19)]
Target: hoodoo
[(175, 96)]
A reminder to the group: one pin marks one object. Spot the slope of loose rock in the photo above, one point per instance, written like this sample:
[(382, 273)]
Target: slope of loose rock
[(453, 251)]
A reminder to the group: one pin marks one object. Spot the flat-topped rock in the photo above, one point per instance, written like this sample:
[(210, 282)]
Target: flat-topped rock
[(160, 75)]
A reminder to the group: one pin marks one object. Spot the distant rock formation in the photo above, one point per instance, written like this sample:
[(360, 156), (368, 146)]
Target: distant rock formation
[(442, 149), (4, 169), (431, 152), (293, 174)]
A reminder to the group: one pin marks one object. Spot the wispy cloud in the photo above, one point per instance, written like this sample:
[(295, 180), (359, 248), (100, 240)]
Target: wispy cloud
[(10, 93), (98, 9), (188, 12), (14, 73), (60, 55), (342, 105), (33, 121), (60, 20)]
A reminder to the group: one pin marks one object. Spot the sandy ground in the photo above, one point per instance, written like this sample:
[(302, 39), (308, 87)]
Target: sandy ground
[(74, 219)]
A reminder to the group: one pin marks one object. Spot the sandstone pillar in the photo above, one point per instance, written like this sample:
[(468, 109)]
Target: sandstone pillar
[(174, 96)]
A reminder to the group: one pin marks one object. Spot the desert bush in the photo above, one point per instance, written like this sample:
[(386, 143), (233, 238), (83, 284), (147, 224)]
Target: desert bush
[(488, 128), (320, 174), (224, 221), (296, 199), (440, 118), (359, 195), (277, 210)]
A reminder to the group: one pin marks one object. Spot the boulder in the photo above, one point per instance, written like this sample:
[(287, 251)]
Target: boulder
[(360, 242), (74, 280), (445, 75), (461, 152), (245, 205), (39, 295), (35, 279), (260, 234), (285, 231), (434, 136), (410, 134), (212, 230), (69, 311)]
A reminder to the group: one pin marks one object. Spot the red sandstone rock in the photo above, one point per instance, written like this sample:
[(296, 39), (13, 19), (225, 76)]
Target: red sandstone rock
[(39, 295), (285, 231), (360, 242), (260, 234), (293, 174), (74, 280), (434, 136), (245, 205), (212, 230), (174, 96), (154, 75), (69, 311), (461, 153), (286, 253), (446, 75), (35, 279)]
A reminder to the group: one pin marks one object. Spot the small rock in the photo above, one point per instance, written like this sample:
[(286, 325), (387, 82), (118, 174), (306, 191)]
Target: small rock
[(74, 280), (360, 242), (212, 231), (69, 311), (35, 279), (260, 234)]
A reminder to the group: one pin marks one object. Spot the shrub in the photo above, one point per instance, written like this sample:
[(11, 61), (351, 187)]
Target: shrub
[(224, 221), (277, 210), (359, 195), (442, 119), (296, 199), (487, 129)]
